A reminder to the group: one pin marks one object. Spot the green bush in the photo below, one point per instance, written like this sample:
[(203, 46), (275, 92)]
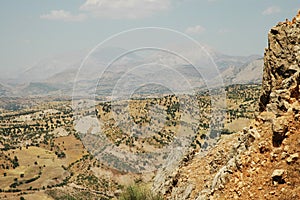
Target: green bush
[(138, 192)]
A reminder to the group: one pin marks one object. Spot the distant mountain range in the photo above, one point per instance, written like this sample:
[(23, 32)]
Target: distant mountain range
[(4, 91), (104, 73)]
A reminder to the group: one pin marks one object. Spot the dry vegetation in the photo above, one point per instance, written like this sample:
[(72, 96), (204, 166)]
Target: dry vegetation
[(42, 156)]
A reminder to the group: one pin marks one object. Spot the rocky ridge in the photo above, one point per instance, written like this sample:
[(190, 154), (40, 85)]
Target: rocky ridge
[(262, 161)]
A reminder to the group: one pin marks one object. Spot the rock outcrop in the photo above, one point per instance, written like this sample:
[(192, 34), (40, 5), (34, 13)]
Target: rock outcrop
[(261, 162), (281, 69), (268, 166)]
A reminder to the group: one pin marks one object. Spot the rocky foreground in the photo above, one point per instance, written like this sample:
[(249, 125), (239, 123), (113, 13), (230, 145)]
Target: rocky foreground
[(262, 161)]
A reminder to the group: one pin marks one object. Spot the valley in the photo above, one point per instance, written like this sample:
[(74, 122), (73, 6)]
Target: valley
[(42, 153)]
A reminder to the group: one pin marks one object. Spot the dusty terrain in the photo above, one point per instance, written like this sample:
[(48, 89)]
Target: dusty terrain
[(43, 157), (262, 161)]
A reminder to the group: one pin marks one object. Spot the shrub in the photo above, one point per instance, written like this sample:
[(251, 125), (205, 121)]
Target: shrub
[(138, 192)]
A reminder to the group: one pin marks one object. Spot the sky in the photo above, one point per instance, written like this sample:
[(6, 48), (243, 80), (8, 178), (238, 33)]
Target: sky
[(33, 30)]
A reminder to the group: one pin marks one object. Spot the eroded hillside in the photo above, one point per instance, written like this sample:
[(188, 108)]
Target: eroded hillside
[(42, 155), (262, 161)]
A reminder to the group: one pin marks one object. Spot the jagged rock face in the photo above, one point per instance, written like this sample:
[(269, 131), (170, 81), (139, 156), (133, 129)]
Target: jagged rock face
[(281, 78), (282, 67)]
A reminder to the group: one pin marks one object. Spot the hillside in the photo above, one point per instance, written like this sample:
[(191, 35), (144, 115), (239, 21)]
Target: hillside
[(262, 161), (43, 156), (4, 91)]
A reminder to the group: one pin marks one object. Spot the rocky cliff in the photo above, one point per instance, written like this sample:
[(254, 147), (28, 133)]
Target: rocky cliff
[(281, 68), (262, 161)]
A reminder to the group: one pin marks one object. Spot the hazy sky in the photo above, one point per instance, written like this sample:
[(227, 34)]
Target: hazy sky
[(33, 29)]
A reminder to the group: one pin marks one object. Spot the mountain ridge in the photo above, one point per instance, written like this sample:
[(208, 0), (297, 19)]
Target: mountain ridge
[(60, 75)]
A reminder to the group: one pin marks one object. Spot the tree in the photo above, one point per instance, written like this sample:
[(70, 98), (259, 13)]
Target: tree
[(15, 162)]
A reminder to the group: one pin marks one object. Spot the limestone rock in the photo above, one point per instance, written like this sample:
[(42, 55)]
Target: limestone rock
[(278, 176), (278, 173), (292, 158), (281, 71)]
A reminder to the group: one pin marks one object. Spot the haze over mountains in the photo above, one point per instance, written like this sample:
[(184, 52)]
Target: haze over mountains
[(109, 66)]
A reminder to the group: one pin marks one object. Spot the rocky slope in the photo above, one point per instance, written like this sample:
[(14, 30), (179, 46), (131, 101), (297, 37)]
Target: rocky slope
[(262, 162)]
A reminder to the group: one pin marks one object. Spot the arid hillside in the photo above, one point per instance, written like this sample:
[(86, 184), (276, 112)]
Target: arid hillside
[(262, 161), (42, 155)]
